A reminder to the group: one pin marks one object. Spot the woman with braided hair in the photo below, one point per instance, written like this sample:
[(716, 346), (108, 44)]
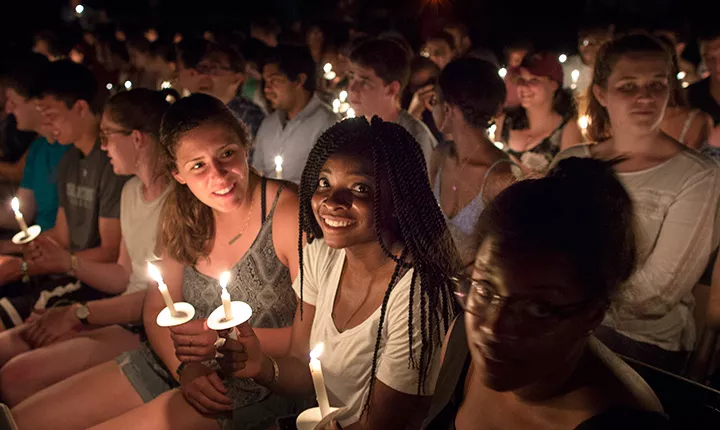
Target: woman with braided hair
[(373, 280)]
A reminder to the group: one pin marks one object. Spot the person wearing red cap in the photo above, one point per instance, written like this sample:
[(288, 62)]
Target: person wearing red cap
[(543, 124)]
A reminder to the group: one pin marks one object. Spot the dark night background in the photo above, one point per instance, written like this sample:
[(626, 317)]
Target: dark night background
[(549, 24)]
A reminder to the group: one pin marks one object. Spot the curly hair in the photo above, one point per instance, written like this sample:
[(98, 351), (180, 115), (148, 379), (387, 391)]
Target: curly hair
[(399, 168)]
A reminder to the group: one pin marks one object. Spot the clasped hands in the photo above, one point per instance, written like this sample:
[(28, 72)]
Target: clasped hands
[(202, 386)]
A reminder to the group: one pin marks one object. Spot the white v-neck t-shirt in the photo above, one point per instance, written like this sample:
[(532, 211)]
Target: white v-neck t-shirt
[(347, 356)]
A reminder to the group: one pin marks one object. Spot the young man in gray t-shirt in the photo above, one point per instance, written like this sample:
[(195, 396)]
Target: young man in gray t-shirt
[(89, 192)]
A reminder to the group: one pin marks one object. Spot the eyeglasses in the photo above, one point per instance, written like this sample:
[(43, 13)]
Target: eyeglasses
[(105, 134), (476, 297), (212, 69)]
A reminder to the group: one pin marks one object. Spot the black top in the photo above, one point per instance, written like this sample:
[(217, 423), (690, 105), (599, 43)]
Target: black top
[(451, 380), (700, 98)]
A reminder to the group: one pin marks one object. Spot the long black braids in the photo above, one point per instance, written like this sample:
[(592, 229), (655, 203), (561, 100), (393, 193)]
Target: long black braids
[(399, 169)]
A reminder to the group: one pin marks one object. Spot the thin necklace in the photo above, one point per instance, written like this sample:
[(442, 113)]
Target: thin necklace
[(247, 221)]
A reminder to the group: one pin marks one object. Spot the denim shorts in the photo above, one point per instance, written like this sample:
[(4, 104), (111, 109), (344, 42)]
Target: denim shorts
[(150, 378)]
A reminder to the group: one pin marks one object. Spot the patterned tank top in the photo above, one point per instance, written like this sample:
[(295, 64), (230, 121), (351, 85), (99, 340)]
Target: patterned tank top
[(259, 279)]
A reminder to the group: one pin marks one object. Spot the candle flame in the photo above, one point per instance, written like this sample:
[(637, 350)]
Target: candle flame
[(575, 75), (15, 204), (502, 72), (278, 164), (317, 351), (154, 273), (584, 121), (327, 68), (224, 279), (351, 113), (562, 58), (128, 84), (343, 95)]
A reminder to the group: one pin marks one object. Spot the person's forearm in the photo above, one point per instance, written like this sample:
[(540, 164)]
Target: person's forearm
[(294, 377), (102, 254), (107, 277), (117, 310), (274, 341), (9, 248), (12, 172)]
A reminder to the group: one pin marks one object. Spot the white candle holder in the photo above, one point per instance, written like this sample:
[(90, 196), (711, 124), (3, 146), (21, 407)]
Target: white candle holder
[(241, 312), (21, 238), (184, 312), (311, 419)]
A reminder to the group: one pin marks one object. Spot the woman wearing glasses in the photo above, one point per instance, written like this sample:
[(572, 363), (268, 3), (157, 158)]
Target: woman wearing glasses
[(522, 356)]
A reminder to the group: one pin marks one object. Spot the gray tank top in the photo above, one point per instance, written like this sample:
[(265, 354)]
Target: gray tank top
[(259, 279)]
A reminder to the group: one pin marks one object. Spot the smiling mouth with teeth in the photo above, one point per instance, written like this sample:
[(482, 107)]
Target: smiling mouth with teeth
[(224, 191), (335, 223)]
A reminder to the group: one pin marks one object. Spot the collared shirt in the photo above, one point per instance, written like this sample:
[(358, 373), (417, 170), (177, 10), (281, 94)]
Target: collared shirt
[(420, 132), (247, 112), (292, 140)]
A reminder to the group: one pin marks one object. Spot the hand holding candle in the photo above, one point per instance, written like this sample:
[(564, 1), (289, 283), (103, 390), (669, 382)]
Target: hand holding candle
[(319, 379)]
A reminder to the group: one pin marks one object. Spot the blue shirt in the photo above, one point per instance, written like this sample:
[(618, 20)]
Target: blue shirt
[(40, 176)]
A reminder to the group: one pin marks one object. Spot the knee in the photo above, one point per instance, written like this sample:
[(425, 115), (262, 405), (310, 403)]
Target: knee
[(13, 375)]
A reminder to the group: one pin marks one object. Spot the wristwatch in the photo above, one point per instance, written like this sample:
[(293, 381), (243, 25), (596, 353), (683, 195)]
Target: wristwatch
[(82, 313)]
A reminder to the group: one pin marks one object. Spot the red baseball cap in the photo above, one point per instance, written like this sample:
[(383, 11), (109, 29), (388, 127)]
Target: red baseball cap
[(544, 64)]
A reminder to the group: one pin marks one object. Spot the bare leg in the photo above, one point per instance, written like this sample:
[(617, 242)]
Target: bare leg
[(168, 411), (28, 373), (81, 401), (12, 344)]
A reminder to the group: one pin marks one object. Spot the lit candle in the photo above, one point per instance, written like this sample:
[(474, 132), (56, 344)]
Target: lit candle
[(79, 9), (343, 96), (350, 113), (19, 216), (502, 72), (329, 74), (319, 380), (157, 277), (109, 86), (327, 67), (583, 122), (491, 132), (128, 85), (575, 75), (278, 166), (562, 58), (225, 296), (165, 85), (336, 105)]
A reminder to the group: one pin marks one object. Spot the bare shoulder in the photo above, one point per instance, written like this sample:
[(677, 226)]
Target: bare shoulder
[(288, 202)]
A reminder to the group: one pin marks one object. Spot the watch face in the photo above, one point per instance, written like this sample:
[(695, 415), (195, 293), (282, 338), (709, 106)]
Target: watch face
[(82, 312)]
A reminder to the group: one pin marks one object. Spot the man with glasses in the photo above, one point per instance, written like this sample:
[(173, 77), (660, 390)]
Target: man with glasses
[(87, 221), (221, 73)]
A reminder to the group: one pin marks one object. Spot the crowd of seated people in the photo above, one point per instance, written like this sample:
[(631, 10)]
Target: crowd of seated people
[(473, 246)]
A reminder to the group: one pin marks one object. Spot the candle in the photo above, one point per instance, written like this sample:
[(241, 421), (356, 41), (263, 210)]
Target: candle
[(319, 380), (327, 67), (19, 216), (329, 74), (336, 105), (502, 72), (575, 75), (109, 86), (562, 58), (278, 166), (343, 96), (225, 296), (157, 277), (583, 122), (128, 85)]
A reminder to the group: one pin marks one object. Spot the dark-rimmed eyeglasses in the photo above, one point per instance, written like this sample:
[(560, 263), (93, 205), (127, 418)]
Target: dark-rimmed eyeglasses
[(105, 134), (478, 296)]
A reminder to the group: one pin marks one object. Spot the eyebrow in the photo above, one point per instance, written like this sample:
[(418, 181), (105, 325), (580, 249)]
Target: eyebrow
[(630, 77), (196, 159), (353, 173)]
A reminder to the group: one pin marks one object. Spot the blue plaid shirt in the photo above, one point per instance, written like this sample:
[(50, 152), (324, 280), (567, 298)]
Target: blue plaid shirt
[(247, 112)]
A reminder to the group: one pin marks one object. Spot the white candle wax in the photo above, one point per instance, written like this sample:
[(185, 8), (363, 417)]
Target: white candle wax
[(278, 166), (319, 380), (19, 216), (155, 275), (225, 296)]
